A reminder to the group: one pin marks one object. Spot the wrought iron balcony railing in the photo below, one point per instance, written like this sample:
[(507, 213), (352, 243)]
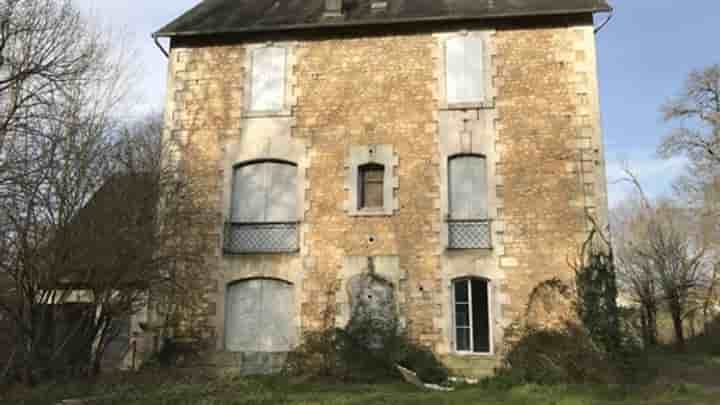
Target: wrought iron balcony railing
[(261, 237), (469, 234)]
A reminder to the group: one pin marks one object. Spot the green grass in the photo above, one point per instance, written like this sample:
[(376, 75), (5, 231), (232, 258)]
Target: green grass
[(151, 388)]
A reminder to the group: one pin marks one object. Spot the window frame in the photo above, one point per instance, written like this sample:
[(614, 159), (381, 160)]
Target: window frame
[(490, 317), (286, 104), (362, 186)]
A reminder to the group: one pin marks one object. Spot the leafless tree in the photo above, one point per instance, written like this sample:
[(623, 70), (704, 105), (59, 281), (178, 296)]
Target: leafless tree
[(663, 259), (698, 110), (636, 277), (80, 192)]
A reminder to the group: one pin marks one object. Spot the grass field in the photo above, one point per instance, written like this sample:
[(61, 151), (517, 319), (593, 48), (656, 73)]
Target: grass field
[(682, 380), (151, 389)]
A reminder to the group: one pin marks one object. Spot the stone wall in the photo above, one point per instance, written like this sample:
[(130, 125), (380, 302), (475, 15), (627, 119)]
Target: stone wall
[(541, 132)]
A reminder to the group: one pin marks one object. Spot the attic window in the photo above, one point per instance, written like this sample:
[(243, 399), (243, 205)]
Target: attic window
[(267, 79), (464, 69)]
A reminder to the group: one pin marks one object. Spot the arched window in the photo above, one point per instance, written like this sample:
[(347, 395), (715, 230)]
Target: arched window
[(468, 222), (464, 69), (471, 310), (265, 191), (371, 187), (264, 208), (259, 316), (468, 187)]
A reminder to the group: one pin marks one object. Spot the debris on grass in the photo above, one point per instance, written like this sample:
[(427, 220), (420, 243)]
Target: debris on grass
[(412, 378)]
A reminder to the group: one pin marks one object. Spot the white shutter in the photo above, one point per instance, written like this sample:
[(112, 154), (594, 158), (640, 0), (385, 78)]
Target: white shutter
[(282, 188), (268, 79), (249, 193), (468, 187), (243, 312), (259, 316), (464, 69), (278, 331), (478, 209)]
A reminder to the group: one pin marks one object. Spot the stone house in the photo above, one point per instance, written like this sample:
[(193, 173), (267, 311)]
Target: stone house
[(451, 149)]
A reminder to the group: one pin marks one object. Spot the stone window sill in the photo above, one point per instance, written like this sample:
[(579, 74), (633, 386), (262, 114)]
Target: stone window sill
[(483, 105), (371, 212), (266, 114), (473, 354)]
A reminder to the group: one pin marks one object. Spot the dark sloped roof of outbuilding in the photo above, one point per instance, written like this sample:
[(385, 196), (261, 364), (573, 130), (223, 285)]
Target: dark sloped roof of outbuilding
[(237, 16)]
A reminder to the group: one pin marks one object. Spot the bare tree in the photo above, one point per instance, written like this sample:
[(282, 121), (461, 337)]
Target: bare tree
[(698, 110), (61, 84), (663, 259)]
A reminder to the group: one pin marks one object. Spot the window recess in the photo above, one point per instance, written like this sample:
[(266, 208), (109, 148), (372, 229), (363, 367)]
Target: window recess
[(264, 211), (468, 222), (464, 70), (471, 307)]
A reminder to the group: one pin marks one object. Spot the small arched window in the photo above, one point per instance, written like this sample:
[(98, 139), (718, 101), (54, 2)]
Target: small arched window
[(468, 190), (471, 307), (371, 187)]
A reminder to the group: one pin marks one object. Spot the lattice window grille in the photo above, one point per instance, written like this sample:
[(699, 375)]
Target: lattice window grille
[(469, 234)]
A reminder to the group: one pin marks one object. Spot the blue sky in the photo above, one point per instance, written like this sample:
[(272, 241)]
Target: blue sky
[(644, 55)]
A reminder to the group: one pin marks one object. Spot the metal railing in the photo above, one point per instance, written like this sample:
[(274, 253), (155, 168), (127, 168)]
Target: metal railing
[(469, 234), (261, 237)]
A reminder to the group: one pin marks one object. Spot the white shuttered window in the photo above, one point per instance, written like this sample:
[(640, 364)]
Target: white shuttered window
[(468, 187), (265, 192), (268, 75), (464, 70)]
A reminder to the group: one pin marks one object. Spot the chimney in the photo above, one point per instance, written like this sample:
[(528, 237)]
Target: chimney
[(333, 8)]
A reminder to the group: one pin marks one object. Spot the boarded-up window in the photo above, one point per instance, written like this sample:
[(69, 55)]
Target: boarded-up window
[(371, 186), (464, 69), (268, 71), (471, 299), (468, 187), (265, 192), (259, 316)]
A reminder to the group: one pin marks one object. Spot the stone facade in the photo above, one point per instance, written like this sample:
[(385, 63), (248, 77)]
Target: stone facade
[(539, 130)]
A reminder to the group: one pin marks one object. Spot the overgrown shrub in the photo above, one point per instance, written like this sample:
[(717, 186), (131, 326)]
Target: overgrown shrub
[(366, 352), (554, 356)]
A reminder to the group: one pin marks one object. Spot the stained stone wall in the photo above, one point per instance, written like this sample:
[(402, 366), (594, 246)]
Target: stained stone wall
[(539, 130)]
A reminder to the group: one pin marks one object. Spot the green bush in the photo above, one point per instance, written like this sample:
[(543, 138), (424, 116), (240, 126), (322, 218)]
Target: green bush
[(554, 356), (366, 352)]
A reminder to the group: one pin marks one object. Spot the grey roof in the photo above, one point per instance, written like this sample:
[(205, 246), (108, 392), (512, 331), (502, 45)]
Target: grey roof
[(238, 16)]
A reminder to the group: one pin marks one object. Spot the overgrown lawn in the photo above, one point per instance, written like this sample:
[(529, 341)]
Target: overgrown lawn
[(161, 388)]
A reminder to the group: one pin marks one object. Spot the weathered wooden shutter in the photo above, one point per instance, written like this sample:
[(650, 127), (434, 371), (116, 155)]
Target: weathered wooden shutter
[(268, 79), (278, 330), (259, 316), (464, 69), (243, 312), (468, 187), (265, 192), (249, 193), (282, 192)]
